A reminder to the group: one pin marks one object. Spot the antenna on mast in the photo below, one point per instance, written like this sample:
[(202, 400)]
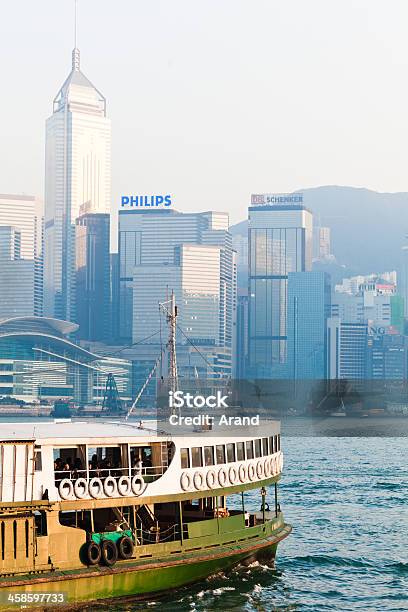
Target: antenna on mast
[(75, 52)]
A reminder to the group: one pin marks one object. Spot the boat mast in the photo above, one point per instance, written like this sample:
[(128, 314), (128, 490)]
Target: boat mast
[(172, 322)]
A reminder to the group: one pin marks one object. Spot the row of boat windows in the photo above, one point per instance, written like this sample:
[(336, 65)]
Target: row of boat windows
[(199, 456)]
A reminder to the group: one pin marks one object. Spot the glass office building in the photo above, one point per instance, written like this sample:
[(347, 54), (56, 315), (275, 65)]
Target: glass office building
[(92, 282), (191, 254), (309, 296), (280, 241)]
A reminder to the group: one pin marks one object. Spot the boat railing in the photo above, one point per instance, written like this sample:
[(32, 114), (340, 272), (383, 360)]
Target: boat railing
[(149, 473), (156, 535)]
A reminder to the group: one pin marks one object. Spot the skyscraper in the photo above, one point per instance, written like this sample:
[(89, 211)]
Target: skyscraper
[(280, 241), (24, 213), (190, 253), (93, 287), (309, 295), (17, 295), (77, 171)]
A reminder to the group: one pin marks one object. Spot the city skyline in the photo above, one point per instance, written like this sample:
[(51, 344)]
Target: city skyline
[(160, 90)]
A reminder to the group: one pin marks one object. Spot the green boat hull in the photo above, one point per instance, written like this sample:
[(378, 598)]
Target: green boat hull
[(141, 578)]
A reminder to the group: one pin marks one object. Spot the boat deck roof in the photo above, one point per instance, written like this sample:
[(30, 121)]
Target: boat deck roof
[(82, 429)]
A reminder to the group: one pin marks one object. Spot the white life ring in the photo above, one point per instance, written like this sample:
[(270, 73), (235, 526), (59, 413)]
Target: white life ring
[(137, 484), (124, 486), (185, 481), (267, 468), (232, 475), (81, 488), (273, 465), (66, 488), (260, 469), (242, 472), (110, 487), (280, 461), (95, 488), (251, 472), (211, 479), (199, 481), (222, 477)]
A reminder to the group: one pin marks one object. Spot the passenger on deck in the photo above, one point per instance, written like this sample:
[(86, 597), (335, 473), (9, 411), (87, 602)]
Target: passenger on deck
[(137, 467)]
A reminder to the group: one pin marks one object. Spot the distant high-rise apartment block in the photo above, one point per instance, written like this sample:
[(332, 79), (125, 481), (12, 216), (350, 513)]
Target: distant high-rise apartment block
[(241, 351), (92, 281), (25, 213), (21, 227), (347, 350), (368, 306), (309, 298), (190, 253), (77, 171), (404, 278), (322, 244), (17, 277), (280, 232)]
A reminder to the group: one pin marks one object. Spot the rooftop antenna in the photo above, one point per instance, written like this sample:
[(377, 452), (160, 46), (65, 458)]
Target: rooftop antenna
[(75, 52)]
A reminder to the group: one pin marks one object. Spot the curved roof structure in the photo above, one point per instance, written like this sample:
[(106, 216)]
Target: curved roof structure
[(40, 324)]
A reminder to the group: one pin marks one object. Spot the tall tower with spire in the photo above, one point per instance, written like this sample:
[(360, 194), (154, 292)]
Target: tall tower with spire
[(77, 174)]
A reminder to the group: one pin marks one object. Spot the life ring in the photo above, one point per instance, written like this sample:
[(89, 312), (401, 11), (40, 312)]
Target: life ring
[(211, 479), (95, 488), (124, 486), (137, 484), (185, 481), (260, 470), (242, 472), (198, 481), (251, 472), (66, 488), (232, 475), (81, 488), (110, 487), (276, 465), (280, 461), (267, 468), (222, 477)]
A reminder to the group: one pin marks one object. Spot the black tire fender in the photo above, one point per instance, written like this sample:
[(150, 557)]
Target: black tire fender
[(109, 553), (125, 548), (93, 553)]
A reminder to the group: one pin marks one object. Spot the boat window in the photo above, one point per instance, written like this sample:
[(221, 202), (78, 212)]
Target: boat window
[(185, 458), (208, 455), (258, 452), (40, 520), (230, 452), (69, 462), (264, 446), (141, 460), (271, 445), (220, 451), (240, 451), (278, 443), (196, 457), (249, 449), (38, 461)]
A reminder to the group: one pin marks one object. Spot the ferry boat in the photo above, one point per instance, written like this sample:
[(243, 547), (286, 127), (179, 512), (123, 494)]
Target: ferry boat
[(99, 510)]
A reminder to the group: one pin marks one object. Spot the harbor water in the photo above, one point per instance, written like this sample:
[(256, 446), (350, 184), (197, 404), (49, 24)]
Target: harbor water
[(347, 500)]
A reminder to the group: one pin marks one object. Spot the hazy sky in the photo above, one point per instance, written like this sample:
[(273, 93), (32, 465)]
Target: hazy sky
[(212, 100)]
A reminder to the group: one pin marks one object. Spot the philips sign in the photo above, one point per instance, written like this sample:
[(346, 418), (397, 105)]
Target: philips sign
[(268, 199), (146, 201)]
